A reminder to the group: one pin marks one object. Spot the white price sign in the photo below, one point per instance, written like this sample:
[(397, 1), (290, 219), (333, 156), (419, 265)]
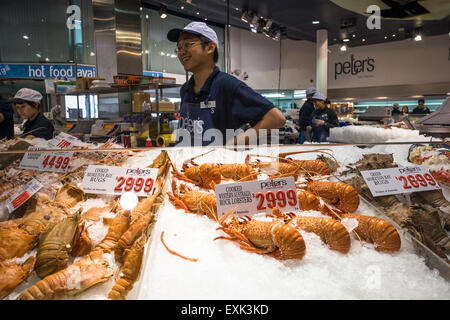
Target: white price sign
[(46, 161), (117, 180), (251, 197), (383, 182), (25, 193), (62, 141)]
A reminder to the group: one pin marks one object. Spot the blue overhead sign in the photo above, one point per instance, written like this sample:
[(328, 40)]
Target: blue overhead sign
[(45, 71)]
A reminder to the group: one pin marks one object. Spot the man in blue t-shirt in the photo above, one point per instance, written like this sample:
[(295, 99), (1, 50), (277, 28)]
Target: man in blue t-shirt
[(304, 116), (213, 99)]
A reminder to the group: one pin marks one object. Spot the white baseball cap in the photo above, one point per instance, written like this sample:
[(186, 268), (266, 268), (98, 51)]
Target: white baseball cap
[(310, 90), (27, 95), (319, 96), (198, 28)]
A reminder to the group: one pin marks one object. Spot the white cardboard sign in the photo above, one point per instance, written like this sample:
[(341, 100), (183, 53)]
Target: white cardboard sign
[(251, 197), (46, 161), (118, 180), (383, 182), (25, 193), (62, 141)]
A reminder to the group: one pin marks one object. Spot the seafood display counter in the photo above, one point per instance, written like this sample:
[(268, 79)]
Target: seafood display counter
[(61, 240)]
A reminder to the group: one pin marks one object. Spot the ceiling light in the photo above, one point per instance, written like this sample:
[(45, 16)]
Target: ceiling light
[(162, 53), (25, 36), (346, 40), (316, 22), (92, 54), (254, 21), (385, 37), (344, 48), (47, 59), (182, 7), (353, 36), (198, 13), (418, 37), (393, 35), (364, 40), (268, 25), (245, 16)]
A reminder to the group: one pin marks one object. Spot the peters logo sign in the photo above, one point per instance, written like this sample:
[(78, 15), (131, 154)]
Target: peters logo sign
[(354, 66)]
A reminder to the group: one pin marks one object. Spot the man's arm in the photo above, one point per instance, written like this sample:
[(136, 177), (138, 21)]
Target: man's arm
[(273, 119)]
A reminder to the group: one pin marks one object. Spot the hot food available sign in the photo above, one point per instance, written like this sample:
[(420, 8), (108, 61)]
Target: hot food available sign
[(251, 197), (355, 67)]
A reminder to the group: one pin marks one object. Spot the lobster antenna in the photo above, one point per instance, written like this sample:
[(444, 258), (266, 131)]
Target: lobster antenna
[(200, 155)]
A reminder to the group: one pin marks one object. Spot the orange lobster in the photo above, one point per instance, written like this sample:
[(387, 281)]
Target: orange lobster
[(238, 171), (339, 194), (193, 201), (375, 230), (311, 167), (275, 169), (330, 231), (276, 239)]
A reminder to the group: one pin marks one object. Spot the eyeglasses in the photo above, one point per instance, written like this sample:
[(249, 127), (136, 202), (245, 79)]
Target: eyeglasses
[(186, 46)]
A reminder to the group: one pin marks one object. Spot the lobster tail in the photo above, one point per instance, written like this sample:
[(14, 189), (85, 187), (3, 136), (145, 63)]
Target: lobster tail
[(289, 241), (331, 232), (378, 231)]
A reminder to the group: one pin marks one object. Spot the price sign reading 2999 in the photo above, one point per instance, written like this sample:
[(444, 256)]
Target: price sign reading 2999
[(382, 182), (118, 180), (252, 197)]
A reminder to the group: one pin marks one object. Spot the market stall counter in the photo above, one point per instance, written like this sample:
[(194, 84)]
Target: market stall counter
[(97, 221)]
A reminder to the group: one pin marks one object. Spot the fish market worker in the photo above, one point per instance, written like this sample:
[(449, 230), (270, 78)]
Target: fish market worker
[(305, 115), (6, 119), (322, 119), (212, 99), (27, 105)]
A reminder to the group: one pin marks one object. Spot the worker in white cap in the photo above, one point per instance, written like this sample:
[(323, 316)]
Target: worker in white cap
[(322, 119), (213, 99), (27, 103), (304, 116)]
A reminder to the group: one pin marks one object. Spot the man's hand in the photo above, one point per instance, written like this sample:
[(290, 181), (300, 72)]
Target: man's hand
[(319, 122)]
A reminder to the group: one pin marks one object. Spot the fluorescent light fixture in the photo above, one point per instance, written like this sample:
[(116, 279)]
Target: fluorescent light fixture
[(346, 40), (316, 22), (254, 20), (381, 98), (268, 25), (418, 37), (273, 95)]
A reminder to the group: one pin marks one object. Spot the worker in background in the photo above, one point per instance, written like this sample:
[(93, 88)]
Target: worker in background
[(27, 103), (322, 119), (212, 99), (421, 108), (304, 116), (405, 110), (6, 119), (396, 113)]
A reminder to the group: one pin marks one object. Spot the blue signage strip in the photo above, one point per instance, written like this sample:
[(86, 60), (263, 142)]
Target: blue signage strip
[(152, 74), (45, 71)]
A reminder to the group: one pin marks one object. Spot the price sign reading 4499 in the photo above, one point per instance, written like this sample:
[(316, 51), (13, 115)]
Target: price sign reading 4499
[(382, 182), (252, 197)]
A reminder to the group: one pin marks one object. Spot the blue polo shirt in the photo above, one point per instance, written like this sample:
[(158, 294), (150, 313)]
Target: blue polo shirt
[(236, 104), (40, 127)]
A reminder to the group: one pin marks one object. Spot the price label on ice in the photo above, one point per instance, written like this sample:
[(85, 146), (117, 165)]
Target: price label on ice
[(25, 193), (383, 182), (46, 161), (251, 197), (117, 180)]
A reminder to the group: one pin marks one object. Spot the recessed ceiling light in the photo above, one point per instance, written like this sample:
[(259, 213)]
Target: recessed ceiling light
[(344, 48), (315, 22), (364, 40), (182, 7), (393, 35), (198, 13), (353, 36), (385, 37)]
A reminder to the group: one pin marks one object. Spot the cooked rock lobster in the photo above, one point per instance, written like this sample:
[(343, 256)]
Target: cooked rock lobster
[(274, 238)]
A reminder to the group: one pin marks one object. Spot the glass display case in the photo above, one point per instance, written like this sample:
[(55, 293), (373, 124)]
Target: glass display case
[(147, 223)]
